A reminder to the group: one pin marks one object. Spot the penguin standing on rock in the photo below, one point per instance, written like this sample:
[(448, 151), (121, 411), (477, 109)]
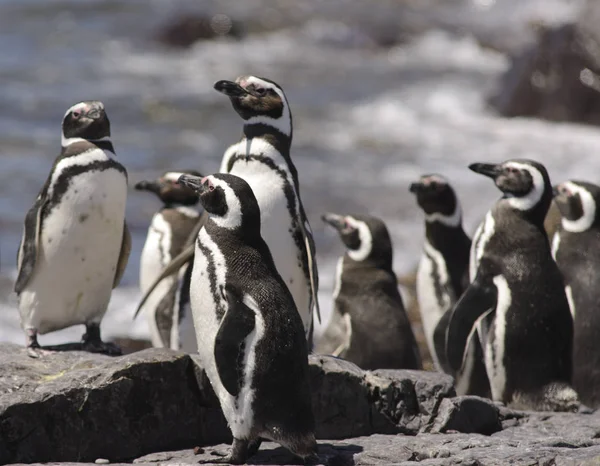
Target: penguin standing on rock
[(167, 307), (251, 340), (518, 284), (376, 332), (262, 158), (75, 243), (442, 277), (576, 249)]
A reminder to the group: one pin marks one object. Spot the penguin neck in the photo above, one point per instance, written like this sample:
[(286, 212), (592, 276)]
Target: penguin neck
[(443, 237), (70, 146), (279, 140)]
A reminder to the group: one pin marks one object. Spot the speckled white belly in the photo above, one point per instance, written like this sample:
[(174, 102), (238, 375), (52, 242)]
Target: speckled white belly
[(80, 243), (239, 415), (268, 187)]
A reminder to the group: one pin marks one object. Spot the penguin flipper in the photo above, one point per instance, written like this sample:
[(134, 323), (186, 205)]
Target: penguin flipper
[(313, 274), (183, 258), (29, 247), (478, 298), (123, 255), (439, 341), (236, 325)]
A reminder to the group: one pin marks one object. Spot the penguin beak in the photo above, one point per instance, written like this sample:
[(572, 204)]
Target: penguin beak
[(416, 187), (197, 183), (487, 169), (336, 221), (229, 88), (152, 186)]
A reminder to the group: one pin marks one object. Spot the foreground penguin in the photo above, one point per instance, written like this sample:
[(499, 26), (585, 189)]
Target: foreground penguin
[(528, 344), (167, 307), (75, 243), (375, 330), (251, 339), (576, 249), (262, 158), (443, 276)]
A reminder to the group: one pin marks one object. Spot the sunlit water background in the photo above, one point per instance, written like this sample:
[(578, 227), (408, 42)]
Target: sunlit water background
[(367, 120)]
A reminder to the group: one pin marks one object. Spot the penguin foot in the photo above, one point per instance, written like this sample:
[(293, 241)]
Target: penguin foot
[(37, 352), (109, 349), (94, 344), (239, 454)]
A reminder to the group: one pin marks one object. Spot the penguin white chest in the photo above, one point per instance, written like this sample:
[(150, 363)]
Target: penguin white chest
[(276, 196), (208, 308), (434, 293), (80, 243)]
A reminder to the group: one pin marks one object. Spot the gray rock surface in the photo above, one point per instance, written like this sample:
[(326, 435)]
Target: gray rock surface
[(76, 406), (560, 439), (145, 407)]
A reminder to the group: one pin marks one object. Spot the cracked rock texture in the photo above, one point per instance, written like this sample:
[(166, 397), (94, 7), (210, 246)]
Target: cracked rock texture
[(77, 406)]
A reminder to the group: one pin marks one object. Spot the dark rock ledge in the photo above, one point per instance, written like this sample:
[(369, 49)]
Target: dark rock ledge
[(80, 407)]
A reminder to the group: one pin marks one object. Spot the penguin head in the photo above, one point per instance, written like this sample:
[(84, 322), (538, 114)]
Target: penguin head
[(437, 199), (366, 238), (525, 183), (86, 120), (258, 100), (576, 201), (229, 199), (169, 190)]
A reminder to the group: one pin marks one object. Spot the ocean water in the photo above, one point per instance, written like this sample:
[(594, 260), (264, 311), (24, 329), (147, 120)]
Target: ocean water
[(367, 120)]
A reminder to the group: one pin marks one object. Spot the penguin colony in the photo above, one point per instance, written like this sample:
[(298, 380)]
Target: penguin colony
[(228, 270)]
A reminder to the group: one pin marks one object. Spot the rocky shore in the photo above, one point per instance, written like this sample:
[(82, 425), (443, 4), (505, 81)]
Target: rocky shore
[(156, 406)]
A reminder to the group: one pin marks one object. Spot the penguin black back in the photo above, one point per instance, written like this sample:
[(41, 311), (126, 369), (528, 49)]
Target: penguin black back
[(367, 299)]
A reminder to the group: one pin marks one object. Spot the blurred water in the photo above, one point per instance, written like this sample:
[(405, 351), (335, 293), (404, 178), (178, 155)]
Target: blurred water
[(367, 120)]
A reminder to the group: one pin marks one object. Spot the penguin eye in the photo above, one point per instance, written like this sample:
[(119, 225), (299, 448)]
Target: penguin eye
[(211, 187), (261, 91), (76, 114), (511, 170)]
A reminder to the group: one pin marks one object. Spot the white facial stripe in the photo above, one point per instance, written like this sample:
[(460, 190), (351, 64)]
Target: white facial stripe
[(555, 244), (530, 200), (366, 240), (283, 124), (480, 239), (233, 218), (453, 220), (587, 205)]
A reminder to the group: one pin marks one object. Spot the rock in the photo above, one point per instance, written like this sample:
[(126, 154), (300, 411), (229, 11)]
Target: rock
[(76, 406), (185, 30), (349, 402), (468, 414), (556, 79), (80, 406)]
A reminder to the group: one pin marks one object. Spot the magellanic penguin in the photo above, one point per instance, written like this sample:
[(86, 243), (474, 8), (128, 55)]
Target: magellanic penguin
[(528, 344), (576, 249), (443, 276), (167, 309), (75, 243), (367, 304), (262, 158), (251, 340)]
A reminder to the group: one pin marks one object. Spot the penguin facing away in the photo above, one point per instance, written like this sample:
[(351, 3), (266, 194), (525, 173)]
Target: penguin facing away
[(442, 277), (262, 158), (518, 284), (167, 309), (576, 249), (367, 304), (75, 243), (251, 339)]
